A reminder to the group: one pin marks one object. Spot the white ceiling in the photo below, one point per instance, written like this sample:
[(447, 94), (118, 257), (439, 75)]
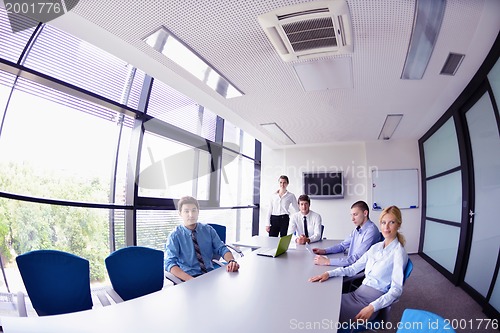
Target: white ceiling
[(228, 35)]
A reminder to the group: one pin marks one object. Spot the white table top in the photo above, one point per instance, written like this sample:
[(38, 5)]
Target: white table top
[(266, 295), (266, 241)]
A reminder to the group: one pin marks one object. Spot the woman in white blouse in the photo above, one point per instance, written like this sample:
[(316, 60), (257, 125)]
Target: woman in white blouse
[(278, 215), (384, 265)]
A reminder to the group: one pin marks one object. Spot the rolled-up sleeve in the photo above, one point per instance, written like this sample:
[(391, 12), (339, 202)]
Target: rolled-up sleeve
[(217, 245), (172, 249)]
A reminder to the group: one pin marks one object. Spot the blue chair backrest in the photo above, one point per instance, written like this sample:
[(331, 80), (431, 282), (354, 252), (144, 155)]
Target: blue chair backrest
[(408, 269), (135, 271), (221, 231), (414, 320), (57, 282)]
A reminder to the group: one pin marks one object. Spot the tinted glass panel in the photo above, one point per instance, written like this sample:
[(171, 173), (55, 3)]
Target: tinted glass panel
[(62, 146), (444, 197), (237, 180), (170, 169), (441, 150), (12, 44), (31, 226), (441, 243), (169, 105), (154, 226), (6, 82), (74, 61), (236, 139)]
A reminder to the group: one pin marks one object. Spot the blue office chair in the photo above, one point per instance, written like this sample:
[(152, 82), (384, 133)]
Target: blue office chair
[(57, 282), (221, 232), (134, 271), (414, 320), (383, 314)]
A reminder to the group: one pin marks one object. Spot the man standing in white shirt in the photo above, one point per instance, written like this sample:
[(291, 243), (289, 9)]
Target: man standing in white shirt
[(306, 223), (278, 215)]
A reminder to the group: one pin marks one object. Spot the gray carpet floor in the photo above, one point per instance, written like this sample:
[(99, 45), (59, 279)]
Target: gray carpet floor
[(429, 290)]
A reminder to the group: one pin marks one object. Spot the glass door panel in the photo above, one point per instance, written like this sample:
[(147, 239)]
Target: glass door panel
[(495, 296), (444, 197), (485, 144), (441, 150), (441, 243)]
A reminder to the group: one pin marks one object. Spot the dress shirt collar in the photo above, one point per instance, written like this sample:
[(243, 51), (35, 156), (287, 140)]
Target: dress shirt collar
[(389, 247), (284, 194), (187, 230), (363, 228)]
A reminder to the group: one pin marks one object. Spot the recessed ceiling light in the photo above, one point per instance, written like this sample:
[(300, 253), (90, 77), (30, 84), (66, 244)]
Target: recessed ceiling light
[(390, 124), (426, 25), (173, 48), (277, 133)]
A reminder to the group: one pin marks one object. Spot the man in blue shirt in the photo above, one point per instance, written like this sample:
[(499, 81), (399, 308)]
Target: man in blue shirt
[(358, 242), (190, 247)]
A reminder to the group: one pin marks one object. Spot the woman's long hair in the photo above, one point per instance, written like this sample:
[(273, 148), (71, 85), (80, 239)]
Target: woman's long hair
[(394, 210)]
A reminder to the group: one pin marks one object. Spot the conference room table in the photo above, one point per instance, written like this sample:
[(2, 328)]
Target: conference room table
[(265, 295), (258, 241)]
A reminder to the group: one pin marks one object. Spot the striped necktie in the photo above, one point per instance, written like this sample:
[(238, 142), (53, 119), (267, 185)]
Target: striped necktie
[(198, 252)]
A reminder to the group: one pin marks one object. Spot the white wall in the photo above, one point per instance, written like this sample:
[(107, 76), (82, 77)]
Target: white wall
[(356, 160)]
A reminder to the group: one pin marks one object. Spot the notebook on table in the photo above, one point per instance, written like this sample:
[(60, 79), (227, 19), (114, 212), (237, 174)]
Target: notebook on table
[(282, 247)]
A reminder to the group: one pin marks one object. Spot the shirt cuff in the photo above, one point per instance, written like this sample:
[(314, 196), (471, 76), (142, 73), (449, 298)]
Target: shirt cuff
[(332, 273)]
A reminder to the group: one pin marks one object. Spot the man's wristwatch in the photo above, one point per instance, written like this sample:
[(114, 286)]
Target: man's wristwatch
[(232, 260)]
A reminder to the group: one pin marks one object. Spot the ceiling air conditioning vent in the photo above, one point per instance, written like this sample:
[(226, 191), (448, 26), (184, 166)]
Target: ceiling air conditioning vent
[(309, 30)]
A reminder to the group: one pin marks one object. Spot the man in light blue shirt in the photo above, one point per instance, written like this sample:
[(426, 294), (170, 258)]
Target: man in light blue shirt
[(190, 247), (358, 242), (384, 264)]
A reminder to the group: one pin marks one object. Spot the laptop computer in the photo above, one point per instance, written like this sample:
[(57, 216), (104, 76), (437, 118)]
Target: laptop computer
[(274, 252)]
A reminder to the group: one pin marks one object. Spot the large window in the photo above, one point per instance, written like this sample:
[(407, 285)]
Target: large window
[(86, 157), (154, 226), (61, 145), (170, 169), (27, 226)]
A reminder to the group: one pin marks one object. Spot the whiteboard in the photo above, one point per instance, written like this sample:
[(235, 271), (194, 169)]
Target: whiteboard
[(395, 187)]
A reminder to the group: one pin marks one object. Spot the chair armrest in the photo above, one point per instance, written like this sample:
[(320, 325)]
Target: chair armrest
[(114, 295), (172, 278), (101, 295), (219, 263), (21, 305), (235, 250)]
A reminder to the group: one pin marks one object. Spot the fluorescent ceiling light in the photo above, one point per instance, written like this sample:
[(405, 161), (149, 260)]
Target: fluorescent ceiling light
[(277, 133), (173, 48), (426, 25), (390, 124), (327, 74)]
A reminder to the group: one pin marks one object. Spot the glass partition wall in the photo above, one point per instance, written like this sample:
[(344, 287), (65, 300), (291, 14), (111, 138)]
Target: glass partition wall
[(460, 158), (94, 154)]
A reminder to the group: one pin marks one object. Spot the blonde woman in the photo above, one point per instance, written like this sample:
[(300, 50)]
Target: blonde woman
[(384, 265)]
